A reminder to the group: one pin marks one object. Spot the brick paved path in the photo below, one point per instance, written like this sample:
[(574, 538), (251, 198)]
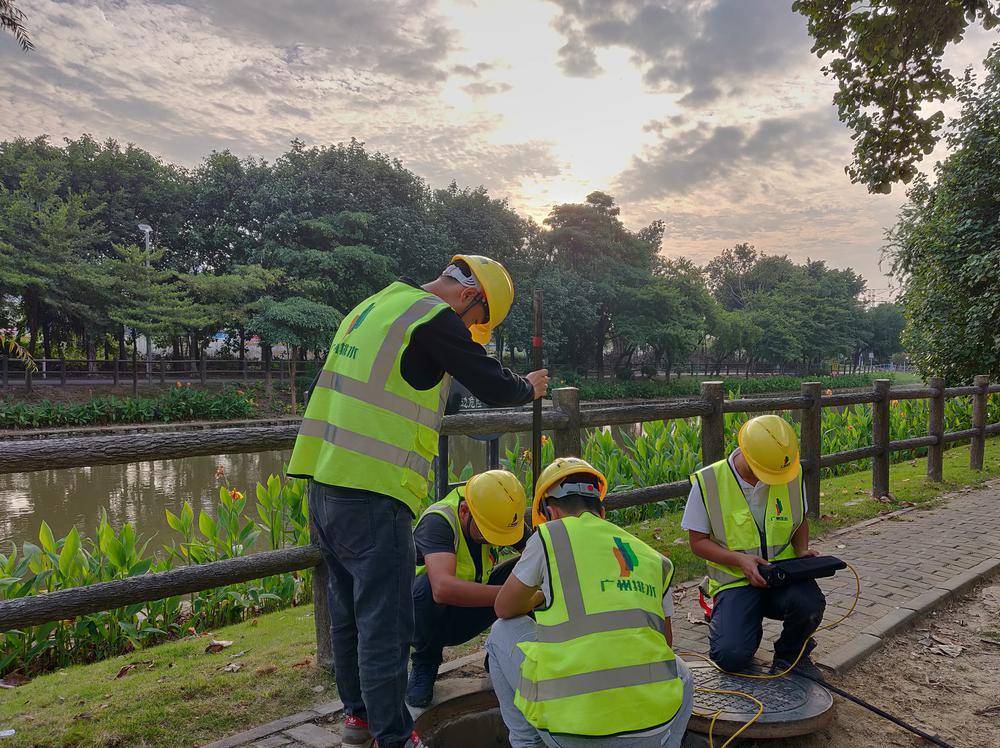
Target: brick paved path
[(909, 562)]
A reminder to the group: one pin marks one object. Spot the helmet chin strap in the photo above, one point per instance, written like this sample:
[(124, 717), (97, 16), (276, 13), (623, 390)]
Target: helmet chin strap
[(477, 301)]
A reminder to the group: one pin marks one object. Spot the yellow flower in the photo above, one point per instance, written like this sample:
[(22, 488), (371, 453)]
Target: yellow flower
[(236, 495), (545, 439)]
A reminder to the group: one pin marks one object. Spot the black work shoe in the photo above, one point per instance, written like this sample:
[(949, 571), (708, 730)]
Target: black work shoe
[(805, 666), (420, 687)]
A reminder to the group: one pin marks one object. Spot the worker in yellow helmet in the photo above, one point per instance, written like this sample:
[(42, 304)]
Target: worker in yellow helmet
[(458, 542), (595, 666), (366, 443), (742, 512)]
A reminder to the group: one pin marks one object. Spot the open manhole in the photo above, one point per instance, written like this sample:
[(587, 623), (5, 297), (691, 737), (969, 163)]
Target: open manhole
[(465, 713), (793, 706)]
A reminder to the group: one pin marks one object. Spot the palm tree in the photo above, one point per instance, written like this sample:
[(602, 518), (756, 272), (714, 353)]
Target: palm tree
[(12, 20)]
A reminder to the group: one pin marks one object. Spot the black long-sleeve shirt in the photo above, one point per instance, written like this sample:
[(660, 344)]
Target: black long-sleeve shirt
[(444, 344)]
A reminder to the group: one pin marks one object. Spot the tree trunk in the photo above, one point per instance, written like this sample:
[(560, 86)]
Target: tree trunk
[(46, 336), (292, 359), (31, 312), (243, 352), (91, 356), (265, 357)]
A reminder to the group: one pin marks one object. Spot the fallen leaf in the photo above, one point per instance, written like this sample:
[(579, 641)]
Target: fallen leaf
[(238, 654), (232, 667), (951, 650), (84, 715), (828, 516), (906, 503), (319, 689), (697, 618), (679, 541), (266, 670), (657, 533), (854, 502), (941, 640), (125, 670), (217, 646), (191, 630), (253, 622), (305, 663), (841, 545)]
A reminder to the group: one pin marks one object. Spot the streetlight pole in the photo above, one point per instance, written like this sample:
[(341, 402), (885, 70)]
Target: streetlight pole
[(146, 229)]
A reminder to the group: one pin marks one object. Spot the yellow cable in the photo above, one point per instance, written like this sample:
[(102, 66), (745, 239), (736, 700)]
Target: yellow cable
[(782, 674)]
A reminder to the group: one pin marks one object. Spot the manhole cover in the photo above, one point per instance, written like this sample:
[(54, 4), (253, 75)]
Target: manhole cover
[(792, 705)]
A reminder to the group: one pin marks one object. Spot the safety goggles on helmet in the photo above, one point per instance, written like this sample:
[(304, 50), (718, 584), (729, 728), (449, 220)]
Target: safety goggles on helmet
[(587, 490)]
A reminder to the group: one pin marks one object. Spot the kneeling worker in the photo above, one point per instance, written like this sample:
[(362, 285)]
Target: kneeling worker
[(742, 512), (457, 542), (594, 668)]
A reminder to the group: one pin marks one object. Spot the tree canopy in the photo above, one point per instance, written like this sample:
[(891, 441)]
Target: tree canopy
[(887, 64), (283, 249), (945, 246)]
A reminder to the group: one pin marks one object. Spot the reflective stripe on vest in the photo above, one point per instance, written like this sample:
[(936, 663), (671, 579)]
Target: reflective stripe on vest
[(724, 499), (465, 566), (600, 664), (365, 427)]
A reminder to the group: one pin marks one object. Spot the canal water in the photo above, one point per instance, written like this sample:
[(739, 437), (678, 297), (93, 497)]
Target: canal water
[(140, 492)]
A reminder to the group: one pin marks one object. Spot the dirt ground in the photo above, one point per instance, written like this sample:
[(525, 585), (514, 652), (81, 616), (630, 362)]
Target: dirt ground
[(917, 678)]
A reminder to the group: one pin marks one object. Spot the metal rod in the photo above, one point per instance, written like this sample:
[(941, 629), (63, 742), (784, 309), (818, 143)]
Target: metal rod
[(536, 416)]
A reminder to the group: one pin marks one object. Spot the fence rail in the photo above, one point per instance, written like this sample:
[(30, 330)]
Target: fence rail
[(565, 419)]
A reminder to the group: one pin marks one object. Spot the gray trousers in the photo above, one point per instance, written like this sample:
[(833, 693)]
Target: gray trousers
[(505, 668)]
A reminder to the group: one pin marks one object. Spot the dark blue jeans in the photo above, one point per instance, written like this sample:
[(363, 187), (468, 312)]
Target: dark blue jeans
[(438, 626), (367, 544), (738, 613)]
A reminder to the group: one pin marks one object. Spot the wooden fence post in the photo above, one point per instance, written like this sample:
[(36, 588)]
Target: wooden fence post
[(567, 440), (935, 428), (713, 436), (812, 419), (117, 373), (135, 371), (163, 371), (880, 438), (4, 366), (203, 369), (321, 611), (977, 446), (62, 371)]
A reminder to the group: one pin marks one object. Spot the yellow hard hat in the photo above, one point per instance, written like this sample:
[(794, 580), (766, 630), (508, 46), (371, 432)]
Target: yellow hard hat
[(496, 499), (497, 287), (560, 468), (771, 449)]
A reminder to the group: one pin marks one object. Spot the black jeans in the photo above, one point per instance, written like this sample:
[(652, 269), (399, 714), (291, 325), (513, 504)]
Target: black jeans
[(367, 544), (738, 613), (438, 626)]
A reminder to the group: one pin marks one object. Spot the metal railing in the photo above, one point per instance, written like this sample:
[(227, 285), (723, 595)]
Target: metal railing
[(565, 419)]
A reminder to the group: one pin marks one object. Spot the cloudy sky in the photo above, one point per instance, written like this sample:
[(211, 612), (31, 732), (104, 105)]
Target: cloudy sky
[(711, 115)]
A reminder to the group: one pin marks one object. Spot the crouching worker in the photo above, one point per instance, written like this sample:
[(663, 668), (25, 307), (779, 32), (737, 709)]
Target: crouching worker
[(742, 512), (594, 667), (457, 542)]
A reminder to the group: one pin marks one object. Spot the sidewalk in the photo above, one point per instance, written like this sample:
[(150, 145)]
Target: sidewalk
[(909, 562)]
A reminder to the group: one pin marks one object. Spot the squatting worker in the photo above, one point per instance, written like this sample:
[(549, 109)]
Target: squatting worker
[(744, 511), (366, 442), (458, 541), (595, 667)]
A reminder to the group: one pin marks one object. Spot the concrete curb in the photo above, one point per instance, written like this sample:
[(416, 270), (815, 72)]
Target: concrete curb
[(872, 637), (326, 709)]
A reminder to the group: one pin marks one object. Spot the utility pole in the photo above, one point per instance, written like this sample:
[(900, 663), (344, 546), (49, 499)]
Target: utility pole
[(146, 229)]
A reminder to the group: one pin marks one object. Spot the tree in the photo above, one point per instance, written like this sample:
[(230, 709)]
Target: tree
[(298, 323), (886, 322), (945, 246), (12, 20), (888, 68)]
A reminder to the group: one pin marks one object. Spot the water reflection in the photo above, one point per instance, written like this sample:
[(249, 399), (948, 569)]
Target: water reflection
[(139, 492)]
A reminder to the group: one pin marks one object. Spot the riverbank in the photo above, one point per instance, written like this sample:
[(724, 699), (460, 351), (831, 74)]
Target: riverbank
[(178, 695)]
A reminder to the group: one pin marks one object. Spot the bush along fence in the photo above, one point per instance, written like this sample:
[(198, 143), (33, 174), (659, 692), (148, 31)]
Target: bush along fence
[(125, 582)]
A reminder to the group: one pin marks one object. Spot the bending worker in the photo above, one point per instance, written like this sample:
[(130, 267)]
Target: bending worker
[(458, 541), (366, 443), (595, 666), (742, 512)]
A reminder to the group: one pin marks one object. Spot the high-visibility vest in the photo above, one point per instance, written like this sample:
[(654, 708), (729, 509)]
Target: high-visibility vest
[(365, 427), (600, 664), (733, 525), (465, 567)]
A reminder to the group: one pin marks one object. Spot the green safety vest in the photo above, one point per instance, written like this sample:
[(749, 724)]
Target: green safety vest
[(364, 426), (600, 664), (465, 567), (734, 527)]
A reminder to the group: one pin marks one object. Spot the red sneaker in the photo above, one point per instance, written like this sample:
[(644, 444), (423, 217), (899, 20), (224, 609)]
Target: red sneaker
[(356, 733), (413, 742)]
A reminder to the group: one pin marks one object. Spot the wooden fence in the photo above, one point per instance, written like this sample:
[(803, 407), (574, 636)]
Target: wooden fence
[(565, 419), (60, 372)]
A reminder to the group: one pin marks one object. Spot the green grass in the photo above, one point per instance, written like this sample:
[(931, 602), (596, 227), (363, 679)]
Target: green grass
[(186, 698), (179, 695), (844, 500)]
